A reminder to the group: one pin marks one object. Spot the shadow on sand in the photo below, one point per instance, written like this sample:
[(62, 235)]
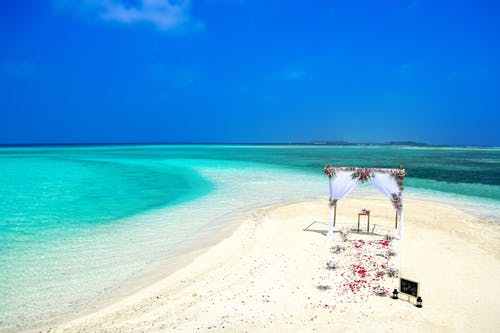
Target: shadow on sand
[(322, 228)]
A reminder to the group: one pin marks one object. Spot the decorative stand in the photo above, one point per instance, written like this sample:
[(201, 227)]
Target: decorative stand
[(365, 214)]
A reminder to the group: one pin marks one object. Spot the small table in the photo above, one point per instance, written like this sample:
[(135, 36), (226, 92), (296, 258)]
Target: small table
[(365, 214)]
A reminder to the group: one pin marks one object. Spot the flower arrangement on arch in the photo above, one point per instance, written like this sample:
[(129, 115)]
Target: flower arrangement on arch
[(396, 201), (399, 175), (365, 211), (329, 171), (363, 174)]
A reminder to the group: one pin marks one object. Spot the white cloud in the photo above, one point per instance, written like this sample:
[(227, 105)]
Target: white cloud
[(163, 14)]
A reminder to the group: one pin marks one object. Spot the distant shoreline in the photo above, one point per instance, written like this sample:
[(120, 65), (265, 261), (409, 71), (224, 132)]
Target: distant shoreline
[(292, 144)]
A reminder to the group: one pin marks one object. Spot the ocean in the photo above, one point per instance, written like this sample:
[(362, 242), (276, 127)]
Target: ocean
[(77, 223)]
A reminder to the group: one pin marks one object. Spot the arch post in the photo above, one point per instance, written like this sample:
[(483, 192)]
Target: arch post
[(334, 214)]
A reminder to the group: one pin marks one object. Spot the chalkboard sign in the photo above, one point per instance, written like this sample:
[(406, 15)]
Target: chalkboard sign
[(408, 287)]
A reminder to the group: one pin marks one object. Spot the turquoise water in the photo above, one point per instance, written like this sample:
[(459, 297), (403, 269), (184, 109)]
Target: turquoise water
[(77, 222), (54, 196)]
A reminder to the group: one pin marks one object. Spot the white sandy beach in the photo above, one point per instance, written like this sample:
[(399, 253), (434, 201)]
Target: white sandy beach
[(265, 277)]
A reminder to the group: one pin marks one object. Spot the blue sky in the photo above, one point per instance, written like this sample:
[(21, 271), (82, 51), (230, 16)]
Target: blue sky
[(249, 71)]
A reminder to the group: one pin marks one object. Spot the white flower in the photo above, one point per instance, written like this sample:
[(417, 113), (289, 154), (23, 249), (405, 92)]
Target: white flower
[(337, 248), (332, 263), (343, 233), (393, 271), (390, 236)]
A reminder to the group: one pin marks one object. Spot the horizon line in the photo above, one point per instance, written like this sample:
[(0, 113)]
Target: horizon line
[(309, 143)]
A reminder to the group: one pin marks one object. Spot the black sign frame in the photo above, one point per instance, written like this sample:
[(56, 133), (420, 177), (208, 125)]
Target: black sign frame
[(408, 287)]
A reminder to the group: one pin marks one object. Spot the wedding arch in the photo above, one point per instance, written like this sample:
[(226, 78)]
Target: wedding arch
[(344, 179)]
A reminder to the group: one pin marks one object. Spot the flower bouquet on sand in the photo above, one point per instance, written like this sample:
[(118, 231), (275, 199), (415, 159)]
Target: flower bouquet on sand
[(343, 233), (332, 263), (337, 248), (393, 272), (390, 236), (380, 291)]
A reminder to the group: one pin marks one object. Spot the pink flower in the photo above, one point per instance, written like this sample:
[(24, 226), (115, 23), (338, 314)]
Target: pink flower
[(329, 170)]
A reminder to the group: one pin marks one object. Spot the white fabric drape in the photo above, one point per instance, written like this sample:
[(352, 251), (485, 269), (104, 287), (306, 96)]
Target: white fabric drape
[(386, 184), (340, 185), (330, 221)]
